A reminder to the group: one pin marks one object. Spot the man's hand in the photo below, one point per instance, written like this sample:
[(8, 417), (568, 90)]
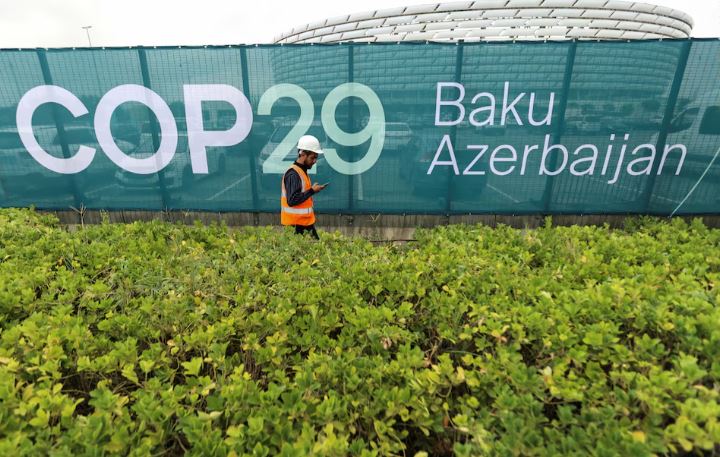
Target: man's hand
[(318, 187)]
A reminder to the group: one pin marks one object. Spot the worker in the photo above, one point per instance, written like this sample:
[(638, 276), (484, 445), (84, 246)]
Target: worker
[(296, 202)]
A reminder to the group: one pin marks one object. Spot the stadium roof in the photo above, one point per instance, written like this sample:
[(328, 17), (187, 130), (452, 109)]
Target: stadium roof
[(500, 20)]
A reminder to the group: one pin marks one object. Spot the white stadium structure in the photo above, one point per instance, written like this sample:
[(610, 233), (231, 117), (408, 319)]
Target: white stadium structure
[(500, 20)]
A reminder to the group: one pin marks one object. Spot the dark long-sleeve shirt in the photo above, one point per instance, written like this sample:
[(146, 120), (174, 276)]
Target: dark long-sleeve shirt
[(293, 186)]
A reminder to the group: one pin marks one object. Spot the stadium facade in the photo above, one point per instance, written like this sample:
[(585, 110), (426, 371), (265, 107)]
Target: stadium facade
[(500, 20)]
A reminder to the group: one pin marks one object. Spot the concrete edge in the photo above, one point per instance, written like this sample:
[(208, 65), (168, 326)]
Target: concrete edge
[(381, 227)]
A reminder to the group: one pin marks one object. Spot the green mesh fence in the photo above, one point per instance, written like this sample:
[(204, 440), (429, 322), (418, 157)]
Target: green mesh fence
[(502, 128)]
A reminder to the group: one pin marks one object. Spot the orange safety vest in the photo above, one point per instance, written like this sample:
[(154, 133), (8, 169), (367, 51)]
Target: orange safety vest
[(302, 214)]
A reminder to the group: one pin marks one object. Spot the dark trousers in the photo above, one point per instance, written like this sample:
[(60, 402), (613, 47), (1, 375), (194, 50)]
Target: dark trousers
[(302, 229)]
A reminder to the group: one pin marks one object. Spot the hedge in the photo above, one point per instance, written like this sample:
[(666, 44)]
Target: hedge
[(160, 339)]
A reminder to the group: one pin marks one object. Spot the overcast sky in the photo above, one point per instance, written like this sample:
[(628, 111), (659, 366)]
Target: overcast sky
[(58, 23)]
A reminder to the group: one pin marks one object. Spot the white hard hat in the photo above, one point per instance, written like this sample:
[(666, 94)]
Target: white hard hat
[(309, 143)]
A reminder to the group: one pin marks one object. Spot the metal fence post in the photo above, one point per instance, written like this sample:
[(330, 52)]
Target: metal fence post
[(351, 126), (560, 125), (667, 119), (253, 165), (47, 77), (453, 129), (164, 196)]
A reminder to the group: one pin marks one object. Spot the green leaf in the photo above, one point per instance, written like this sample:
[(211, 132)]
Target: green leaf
[(41, 419), (593, 339), (192, 368), (255, 425), (146, 366), (128, 370)]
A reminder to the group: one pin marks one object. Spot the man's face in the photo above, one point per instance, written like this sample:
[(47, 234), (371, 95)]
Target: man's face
[(309, 158)]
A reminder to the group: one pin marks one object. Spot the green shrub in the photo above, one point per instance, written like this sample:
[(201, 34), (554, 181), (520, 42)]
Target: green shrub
[(151, 338)]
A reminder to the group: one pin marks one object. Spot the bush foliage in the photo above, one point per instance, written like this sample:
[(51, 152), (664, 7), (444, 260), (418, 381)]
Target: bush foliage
[(159, 339)]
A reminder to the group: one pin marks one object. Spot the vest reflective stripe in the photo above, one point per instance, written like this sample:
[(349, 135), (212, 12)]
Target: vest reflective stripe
[(302, 214), (292, 210)]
